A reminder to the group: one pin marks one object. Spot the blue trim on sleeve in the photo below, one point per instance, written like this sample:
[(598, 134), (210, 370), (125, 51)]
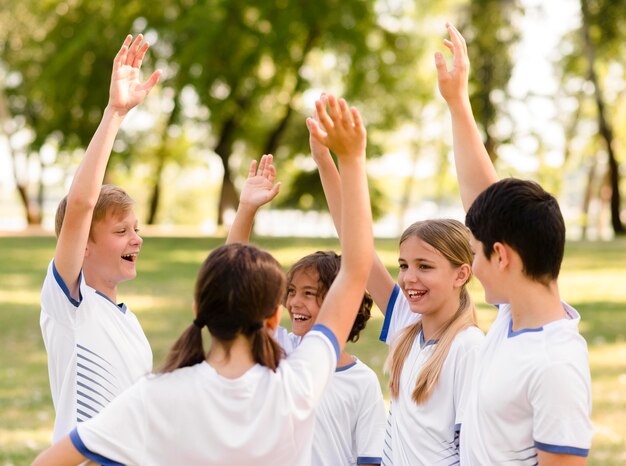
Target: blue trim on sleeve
[(82, 448), (392, 301), (330, 335), (64, 287), (369, 460), (457, 427), (562, 449), (524, 330)]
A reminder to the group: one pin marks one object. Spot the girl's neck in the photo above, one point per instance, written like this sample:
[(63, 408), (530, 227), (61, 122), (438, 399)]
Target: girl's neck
[(433, 323), (231, 361)]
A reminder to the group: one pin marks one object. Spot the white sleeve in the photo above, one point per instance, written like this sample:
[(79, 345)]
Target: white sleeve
[(56, 301), (287, 340), (370, 425), (308, 369), (561, 399), (464, 373), (397, 317), (118, 432)]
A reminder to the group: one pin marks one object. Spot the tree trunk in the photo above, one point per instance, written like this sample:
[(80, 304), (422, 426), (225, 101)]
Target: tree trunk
[(155, 196), (604, 127), (223, 148)]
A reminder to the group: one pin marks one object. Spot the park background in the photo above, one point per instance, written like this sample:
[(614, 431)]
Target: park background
[(548, 89)]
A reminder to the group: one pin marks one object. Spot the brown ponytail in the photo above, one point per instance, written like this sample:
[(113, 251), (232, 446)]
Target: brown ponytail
[(187, 351), (238, 287), (451, 239)]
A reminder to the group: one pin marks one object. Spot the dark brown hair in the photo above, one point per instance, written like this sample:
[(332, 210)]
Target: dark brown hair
[(238, 287)]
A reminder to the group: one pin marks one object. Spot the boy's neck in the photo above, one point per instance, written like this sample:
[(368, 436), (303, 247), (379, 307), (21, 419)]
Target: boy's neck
[(100, 285), (535, 304)]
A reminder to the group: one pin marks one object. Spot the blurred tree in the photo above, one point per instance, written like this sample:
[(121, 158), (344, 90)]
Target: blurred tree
[(603, 22), (594, 53), (490, 27)]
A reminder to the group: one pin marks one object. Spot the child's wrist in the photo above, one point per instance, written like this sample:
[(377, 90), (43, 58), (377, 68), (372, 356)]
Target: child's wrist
[(115, 112)]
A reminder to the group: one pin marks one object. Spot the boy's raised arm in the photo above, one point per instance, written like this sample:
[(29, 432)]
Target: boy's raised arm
[(126, 92), (474, 169), (258, 190), (341, 129), (380, 283)]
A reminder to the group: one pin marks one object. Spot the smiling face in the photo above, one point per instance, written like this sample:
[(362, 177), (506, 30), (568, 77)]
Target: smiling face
[(302, 300), (112, 251), (430, 282)]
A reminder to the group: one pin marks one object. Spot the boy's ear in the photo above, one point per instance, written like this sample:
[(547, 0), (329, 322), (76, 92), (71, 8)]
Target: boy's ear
[(272, 322), (502, 254)]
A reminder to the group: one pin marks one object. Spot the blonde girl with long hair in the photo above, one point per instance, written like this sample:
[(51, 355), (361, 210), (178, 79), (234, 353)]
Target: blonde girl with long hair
[(430, 324)]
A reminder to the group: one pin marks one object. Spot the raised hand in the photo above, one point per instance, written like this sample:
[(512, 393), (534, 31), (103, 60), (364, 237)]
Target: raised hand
[(453, 83), (319, 151), (127, 90), (339, 128), (259, 188)]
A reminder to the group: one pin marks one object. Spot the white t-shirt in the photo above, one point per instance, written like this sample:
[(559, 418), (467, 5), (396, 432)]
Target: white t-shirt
[(532, 392), (96, 349), (427, 434), (350, 420), (194, 416)]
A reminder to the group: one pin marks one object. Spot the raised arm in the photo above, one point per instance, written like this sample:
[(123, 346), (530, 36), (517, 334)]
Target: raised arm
[(380, 283), (125, 93), (342, 130), (474, 169), (258, 190)]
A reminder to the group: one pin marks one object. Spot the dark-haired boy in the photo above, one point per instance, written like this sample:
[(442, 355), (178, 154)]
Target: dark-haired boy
[(531, 399)]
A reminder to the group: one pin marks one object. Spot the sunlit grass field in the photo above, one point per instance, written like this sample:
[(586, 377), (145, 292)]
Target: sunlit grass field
[(593, 280)]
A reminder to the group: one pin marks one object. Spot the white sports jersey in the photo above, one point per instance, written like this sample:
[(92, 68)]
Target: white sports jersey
[(194, 416), (427, 434), (532, 392), (350, 420), (96, 349)]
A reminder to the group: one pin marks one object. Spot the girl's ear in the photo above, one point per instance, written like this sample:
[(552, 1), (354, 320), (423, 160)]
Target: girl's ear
[(272, 322), (464, 272)]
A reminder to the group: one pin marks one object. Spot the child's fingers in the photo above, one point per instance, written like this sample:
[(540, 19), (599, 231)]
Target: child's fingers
[(356, 117), (266, 163), (150, 82), (316, 131), (333, 108), (449, 44), (346, 117), (274, 191), (120, 58), (132, 50), (322, 115), (140, 54), (440, 64), (271, 173), (252, 169)]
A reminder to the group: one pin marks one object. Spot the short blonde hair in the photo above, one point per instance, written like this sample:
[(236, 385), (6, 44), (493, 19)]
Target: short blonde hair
[(112, 199)]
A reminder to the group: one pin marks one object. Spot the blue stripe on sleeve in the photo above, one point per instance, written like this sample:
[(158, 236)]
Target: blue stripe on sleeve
[(330, 335), (82, 448), (64, 287), (369, 460), (392, 301), (561, 449)]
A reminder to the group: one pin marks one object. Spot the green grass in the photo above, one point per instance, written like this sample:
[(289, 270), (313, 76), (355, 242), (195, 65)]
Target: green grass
[(593, 280)]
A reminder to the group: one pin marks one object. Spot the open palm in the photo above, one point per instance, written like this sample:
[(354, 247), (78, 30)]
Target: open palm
[(259, 188), (127, 90)]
